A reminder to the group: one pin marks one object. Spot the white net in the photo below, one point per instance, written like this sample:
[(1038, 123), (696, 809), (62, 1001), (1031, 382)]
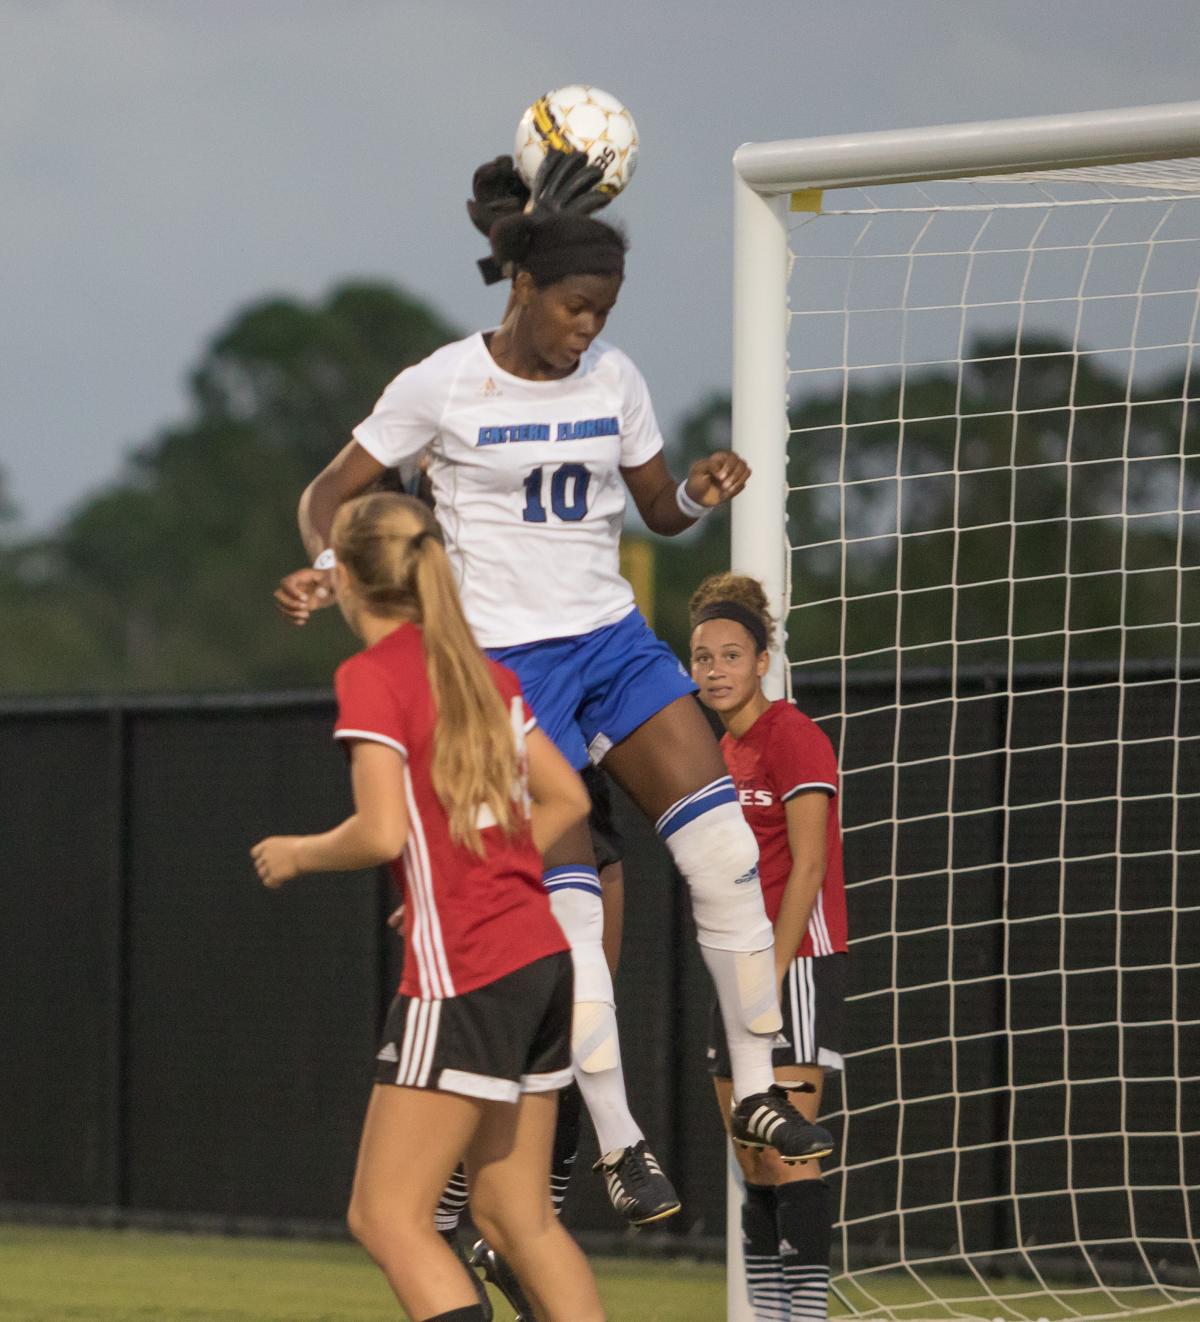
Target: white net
[(994, 531)]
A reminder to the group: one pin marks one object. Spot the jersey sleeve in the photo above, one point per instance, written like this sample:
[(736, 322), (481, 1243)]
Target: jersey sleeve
[(405, 418), (641, 439), (367, 707), (802, 758)]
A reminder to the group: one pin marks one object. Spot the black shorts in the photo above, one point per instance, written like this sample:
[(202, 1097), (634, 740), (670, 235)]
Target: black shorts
[(607, 844), (496, 1042), (811, 1003)]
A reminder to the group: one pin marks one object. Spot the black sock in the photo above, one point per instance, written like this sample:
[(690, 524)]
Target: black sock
[(566, 1143), (760, 1248), (472, 1314), (804, 1215)]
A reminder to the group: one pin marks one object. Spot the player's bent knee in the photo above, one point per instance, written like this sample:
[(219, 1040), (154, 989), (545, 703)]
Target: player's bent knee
[(368, 1229), (378, 1224), (718, 856), (489, 1227), (594, 1044), (504, 1222)]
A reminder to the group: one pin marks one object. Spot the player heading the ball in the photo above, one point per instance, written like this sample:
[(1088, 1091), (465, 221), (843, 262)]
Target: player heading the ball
[(532, 529)]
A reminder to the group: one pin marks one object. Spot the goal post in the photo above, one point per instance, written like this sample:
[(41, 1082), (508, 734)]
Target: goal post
[(767, 174), (760, 390), (965, 378)]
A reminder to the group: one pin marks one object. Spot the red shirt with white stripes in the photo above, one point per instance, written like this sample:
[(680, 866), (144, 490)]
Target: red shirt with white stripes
[(469, 919), (783, 754)]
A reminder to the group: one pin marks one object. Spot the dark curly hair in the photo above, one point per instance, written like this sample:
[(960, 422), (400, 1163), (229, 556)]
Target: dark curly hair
[(557, 244), (740, 589)]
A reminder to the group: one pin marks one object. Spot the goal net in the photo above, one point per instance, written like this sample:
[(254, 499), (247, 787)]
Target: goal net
[(986, 555)]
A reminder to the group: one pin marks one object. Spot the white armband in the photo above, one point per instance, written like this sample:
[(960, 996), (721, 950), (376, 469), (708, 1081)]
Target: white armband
[(326, 560), (692, 509)]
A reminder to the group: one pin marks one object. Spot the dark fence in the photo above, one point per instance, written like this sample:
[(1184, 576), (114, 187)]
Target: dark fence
[(176, 1041)]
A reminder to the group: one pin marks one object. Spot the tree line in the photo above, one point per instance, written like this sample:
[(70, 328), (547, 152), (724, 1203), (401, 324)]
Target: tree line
[(162, 580)]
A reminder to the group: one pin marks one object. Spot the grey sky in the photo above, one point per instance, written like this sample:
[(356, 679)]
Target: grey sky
[(164, 162)]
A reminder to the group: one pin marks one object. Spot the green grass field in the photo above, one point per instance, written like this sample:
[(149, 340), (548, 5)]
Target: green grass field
[(51, 1275), (131, 1276)]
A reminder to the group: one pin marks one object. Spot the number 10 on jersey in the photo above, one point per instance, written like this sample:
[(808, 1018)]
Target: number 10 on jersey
[(568, 494)]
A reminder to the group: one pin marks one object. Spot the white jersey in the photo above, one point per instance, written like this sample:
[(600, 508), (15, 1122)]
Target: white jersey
[(527, 482)]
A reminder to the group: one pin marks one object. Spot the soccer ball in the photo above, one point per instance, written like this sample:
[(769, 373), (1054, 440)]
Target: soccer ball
[(584, 118)]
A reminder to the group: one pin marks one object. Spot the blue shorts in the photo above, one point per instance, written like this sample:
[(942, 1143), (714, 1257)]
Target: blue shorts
[(591, 691)]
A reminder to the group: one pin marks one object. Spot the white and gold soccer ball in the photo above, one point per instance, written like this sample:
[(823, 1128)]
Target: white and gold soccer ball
[(583, 118)]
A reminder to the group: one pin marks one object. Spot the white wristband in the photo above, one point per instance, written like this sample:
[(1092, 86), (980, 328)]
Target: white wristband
[(326, 560), (687, 506)]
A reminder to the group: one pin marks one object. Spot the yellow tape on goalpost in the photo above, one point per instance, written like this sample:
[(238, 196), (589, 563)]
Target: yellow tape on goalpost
[(807, 199)]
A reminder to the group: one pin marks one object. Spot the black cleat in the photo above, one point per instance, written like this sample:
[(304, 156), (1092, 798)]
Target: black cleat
[(485, 1302), (637, 1188), (769, 1120), (497, 1272)]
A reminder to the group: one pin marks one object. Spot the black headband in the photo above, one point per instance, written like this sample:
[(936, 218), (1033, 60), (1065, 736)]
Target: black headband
[(552, 245), (550, 262), (739, 614)]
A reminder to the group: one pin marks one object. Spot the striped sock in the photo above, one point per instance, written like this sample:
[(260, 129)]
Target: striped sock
[(804, 1217), (769, 1296), (566, 1144), (450, 1205)]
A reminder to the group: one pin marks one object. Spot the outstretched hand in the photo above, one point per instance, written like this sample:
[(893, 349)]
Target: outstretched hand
[(717, 478), (302, 592)]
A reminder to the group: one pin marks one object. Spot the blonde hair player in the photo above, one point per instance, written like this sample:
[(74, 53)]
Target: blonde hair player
[(785, 772), (458, 789)]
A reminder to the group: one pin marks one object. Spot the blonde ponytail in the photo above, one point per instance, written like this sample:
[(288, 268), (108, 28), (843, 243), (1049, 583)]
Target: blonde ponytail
[(391, 546)]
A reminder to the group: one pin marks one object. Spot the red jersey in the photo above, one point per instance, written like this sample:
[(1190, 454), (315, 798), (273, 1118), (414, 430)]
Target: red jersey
[(469, 918), (783, 754)]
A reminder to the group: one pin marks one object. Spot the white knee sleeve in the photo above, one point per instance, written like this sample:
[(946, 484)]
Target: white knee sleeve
[(718, 856)]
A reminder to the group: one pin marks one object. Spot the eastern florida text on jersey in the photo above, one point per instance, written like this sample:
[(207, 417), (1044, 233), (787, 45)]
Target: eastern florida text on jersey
[(526, 475)]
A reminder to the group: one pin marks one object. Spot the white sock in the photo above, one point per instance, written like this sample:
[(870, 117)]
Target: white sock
[(595, 1048), (603, 1089)]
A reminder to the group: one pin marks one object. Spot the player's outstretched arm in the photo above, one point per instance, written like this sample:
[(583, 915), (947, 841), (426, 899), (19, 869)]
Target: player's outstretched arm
[(668, 507), (305, 590), (376, 832), (559, 798)]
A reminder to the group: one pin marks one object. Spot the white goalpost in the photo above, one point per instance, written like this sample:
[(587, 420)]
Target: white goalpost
[(966, 379)]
